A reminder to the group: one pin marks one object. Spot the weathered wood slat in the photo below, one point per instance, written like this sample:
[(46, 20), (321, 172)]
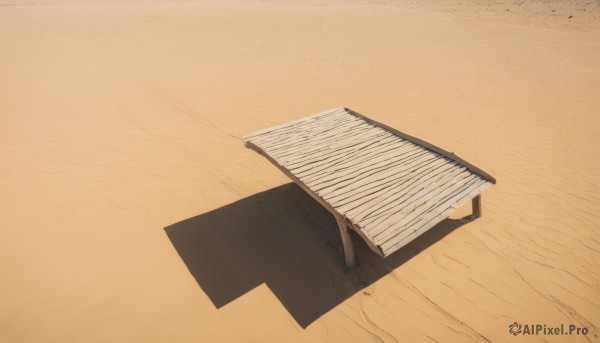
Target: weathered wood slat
[(338, 178), (432, 218), (476, 184), (351, 192), (296, 150), (379, 228), (370, 190), (428, 180), (389, 215), (279, 128), (280, 140), (382, 173), (386, 185), (335, 168), (430, 214), (324, 164), (372, 158), (328, 143), (303, 138), (316, 128), (446, 197), (341, 146), (387, 194)]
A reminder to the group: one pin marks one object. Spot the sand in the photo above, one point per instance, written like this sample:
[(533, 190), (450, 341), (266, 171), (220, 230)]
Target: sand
[(131, 212)]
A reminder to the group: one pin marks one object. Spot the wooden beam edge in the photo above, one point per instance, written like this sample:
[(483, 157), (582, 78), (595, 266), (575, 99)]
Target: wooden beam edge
[(427, 145)]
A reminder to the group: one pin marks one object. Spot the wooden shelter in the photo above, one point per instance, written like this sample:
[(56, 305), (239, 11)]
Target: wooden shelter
[(385, 185)]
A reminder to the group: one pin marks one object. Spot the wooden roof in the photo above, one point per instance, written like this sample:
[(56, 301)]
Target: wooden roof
[(389, 186)]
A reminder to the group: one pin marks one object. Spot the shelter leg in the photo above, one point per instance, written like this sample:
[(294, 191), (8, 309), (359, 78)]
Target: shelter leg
[(476, 207), (346, 241)]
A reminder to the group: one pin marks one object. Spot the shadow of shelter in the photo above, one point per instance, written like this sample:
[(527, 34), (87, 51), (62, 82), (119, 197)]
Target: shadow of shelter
[(284, 238)]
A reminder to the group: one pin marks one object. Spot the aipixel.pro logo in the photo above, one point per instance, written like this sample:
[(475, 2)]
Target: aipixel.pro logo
[(516, 329)]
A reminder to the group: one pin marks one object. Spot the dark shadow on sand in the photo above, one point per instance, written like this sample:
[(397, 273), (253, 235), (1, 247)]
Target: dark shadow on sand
[(283, 238)]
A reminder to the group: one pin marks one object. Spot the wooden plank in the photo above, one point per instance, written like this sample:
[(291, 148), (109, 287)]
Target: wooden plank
[(450, 197), (319, 142), (313, 171), (363, 192), (326, 162), (360, 211), (303, 152), (433, 220), (293, 122), (374, 159), (364, 164), (430, 146), (329, 163), (325, 132), (405, 207), (348, 168), (368, 191), (362, 157), (372, 140), (382, 173), (279, 140), (398, 168), (390, 205), (292, 149), (317, 126), (436, 213), (382, 228), (419, 203), (423, 188)]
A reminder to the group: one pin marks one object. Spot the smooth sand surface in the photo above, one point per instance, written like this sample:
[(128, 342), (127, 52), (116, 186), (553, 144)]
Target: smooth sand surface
[(131, 212)]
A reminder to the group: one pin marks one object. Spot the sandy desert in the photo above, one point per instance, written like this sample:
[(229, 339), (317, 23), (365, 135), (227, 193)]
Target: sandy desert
[(130, 210)]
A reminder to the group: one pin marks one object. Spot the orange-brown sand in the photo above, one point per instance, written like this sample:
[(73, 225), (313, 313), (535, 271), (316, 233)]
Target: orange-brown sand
[(131, 212)]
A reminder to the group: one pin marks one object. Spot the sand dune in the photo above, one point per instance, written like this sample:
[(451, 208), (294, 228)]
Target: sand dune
[(132, 212)]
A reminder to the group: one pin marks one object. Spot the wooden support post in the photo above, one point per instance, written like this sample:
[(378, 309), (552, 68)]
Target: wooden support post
[(346, 241), (476, 207)]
